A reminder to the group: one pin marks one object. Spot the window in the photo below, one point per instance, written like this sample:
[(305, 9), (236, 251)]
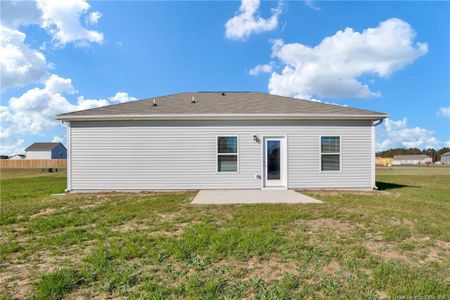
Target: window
[(330, 155), (227, 154)]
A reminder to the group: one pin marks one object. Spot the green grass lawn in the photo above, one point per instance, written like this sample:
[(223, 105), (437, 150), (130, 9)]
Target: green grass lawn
[(394, 243)]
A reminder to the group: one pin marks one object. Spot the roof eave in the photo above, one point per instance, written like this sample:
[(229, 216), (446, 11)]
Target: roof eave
[(207, 117)]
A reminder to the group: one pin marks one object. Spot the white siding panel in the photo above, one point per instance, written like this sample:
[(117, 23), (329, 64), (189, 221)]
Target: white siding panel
[(38, 154), (142, 155)]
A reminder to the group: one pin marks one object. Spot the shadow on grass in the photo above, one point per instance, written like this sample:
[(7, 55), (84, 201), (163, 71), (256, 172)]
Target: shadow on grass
[(383, 186)]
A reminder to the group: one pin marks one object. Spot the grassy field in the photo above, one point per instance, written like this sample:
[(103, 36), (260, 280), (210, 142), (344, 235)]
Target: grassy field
[(394, 243)]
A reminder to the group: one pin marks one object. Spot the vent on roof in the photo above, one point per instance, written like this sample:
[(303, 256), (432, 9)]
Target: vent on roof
[(154, 102), (193, 100)]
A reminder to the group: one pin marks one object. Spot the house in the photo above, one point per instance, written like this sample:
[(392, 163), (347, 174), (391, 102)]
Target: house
[(445, 158), (411, 160), (46, 151), (221, 140), (17, 156)]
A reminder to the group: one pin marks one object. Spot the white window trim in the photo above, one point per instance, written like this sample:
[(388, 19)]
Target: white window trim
[(217, 154), (339, 153)]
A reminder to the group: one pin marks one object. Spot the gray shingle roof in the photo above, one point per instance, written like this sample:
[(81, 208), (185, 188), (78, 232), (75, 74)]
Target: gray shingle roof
[(221, 103), (408, 157), (42, 146), (446, 154)]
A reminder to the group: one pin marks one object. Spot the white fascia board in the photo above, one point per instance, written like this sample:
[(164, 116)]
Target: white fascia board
[(223, 117)]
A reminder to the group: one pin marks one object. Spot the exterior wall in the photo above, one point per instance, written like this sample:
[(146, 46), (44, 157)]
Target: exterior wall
[(140, 155), (59, 152), (412, 161), (445, 160), (38, 154)]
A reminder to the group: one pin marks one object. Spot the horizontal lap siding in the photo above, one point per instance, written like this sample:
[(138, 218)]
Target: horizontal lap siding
[(182, 155)]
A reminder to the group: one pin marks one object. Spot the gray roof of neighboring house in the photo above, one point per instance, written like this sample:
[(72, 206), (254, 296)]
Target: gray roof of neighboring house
[(446, 154), (43, 146), (221, 104), (409, 157)]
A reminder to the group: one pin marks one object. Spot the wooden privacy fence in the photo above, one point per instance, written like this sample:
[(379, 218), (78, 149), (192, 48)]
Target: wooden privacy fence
[(33, 163)]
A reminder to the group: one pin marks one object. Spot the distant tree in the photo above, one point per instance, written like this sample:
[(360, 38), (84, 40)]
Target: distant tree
[(4, 156), (433, 153)]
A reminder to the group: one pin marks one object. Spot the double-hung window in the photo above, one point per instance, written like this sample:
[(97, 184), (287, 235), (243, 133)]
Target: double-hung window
[(227, 154), (330, 153)]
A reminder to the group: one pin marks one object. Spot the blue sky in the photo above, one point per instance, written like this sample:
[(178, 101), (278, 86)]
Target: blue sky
[(386, 56)]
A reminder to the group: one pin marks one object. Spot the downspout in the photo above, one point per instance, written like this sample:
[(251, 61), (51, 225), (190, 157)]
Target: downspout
[(68, 158), (374, 124)]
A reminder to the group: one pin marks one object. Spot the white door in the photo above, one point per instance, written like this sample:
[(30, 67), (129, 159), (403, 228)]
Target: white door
[(275, 162)]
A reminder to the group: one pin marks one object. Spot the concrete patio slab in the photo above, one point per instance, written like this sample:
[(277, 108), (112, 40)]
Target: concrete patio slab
[(251, 197)]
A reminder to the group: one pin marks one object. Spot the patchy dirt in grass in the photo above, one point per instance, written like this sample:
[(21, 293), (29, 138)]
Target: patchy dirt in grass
[(376, 246), (423, 250), (84, 293), (176, 230), (130, 226), (332, 268), (270, 269), (320, 224), (20, 274), (402, 222), (343, 192), (46, 212)]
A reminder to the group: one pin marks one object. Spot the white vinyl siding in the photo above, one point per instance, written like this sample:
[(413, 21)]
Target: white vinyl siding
[(146, 155), (38, 154)]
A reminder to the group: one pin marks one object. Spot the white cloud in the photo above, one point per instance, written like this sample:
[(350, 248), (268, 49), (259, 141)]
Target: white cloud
[(58, 139), (62, 20), (84, 103), (34, 110), (12, 147), (16, 13), (334, 67), (248, 21), (93, 17), (259, 69), (5, 133), (397, 134), (19, 63), (121, 97), (444, 112), (311, 4), (56, 84)]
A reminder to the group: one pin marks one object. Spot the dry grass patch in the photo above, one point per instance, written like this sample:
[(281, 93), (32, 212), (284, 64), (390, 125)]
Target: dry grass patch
[(270, 268)]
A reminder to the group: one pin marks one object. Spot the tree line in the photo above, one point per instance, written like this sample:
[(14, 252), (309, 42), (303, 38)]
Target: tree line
[(433, 153)]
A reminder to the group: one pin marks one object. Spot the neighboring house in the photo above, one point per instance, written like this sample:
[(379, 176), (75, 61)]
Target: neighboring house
[(411, 160), (46, 151), (445, 158), (17, 156), (221, 140)]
